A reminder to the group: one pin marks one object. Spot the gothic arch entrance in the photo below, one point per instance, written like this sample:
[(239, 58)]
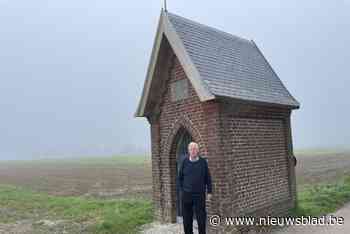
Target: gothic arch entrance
[(183, 139)]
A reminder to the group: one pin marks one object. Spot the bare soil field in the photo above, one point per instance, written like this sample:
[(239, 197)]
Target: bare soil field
[(119, 178), (321, 166), (103, 177)]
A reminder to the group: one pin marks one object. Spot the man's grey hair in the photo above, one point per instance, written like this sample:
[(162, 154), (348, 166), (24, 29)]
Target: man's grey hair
[(193, 144)]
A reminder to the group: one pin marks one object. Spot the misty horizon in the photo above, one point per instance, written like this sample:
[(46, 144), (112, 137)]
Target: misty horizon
[(72, 72)]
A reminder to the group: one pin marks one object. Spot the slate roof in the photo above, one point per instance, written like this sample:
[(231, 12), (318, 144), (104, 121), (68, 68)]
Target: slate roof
[(231, 66), (217, 63)]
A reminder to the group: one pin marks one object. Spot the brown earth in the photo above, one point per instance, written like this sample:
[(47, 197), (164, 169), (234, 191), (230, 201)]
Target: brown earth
[(135, 179), (76, 179), (321, 167)]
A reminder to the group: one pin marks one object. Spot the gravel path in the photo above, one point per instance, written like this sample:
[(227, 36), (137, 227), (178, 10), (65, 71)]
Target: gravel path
[(29, 226), (173, 228), (325, 229)]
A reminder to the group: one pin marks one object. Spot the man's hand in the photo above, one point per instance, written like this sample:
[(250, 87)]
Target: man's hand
[(209, 196)]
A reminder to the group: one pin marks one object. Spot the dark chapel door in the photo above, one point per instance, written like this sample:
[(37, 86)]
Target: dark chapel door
[(181, 153)]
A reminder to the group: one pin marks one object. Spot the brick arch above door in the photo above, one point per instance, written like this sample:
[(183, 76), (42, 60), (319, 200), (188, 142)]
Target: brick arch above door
[(184, 123)]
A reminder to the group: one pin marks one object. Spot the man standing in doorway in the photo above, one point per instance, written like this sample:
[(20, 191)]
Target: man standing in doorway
[(194, 178)]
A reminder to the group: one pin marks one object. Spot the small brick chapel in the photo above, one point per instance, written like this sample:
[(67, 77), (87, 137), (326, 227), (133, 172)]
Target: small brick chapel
[(217, 89)]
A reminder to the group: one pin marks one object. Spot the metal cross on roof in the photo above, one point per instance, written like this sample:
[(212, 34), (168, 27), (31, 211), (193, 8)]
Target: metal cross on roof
[(165, 7)]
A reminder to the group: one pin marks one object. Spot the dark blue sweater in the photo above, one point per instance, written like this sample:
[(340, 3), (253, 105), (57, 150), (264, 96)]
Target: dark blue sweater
[(195, 176)]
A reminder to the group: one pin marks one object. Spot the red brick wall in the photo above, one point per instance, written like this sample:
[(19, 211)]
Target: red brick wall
[(256, 148), (257, 144)]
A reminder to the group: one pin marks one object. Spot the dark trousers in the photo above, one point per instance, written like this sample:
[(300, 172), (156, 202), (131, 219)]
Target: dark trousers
[(190, 200)]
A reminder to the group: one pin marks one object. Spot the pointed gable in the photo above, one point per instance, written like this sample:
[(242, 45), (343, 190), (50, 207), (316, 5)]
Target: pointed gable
[(217, 64)]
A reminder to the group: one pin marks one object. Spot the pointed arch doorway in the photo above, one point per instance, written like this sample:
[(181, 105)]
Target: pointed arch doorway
[(184, 138)]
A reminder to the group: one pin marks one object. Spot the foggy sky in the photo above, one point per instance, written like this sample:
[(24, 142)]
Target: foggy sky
[(72, 72)]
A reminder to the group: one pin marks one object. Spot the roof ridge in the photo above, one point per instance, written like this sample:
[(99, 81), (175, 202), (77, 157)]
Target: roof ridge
[(209, 27)]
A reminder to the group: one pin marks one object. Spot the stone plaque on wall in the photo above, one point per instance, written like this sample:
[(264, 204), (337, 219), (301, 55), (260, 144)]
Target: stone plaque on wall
[(179, 90)]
